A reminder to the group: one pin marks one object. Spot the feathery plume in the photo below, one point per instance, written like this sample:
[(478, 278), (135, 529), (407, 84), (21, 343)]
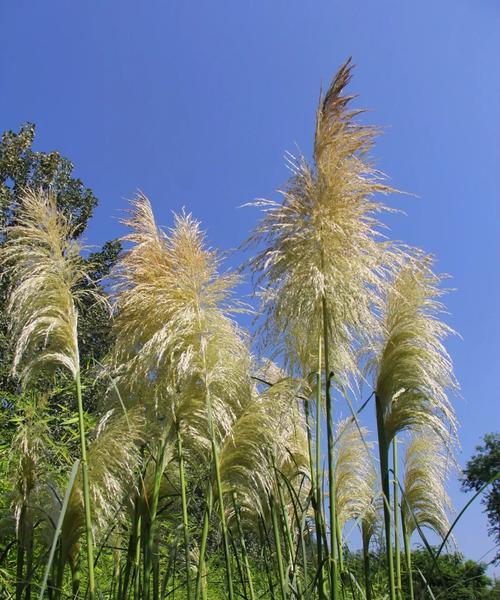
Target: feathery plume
[(174, 336), (322, 242), (113, 461), (412, 368), (354, 472), (269, 437), (425, 501), (45, 268)]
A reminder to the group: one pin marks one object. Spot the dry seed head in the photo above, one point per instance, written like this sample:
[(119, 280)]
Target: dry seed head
[(113, 460), (354, 472), (412, 368), (426, 467), (45, 268), (323, 241), (176, 343), (269, 436)]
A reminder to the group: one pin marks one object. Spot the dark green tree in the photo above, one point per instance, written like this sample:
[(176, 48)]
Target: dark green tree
[(452, 578), (21, 166), (480, 469)]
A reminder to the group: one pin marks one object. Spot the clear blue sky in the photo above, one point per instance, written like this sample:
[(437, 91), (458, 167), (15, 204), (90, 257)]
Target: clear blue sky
[(195, 103)]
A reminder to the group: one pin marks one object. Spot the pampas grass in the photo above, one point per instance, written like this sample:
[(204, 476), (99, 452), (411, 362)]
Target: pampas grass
[(322, 262), (207, 459), (412, 368), (45, 268)]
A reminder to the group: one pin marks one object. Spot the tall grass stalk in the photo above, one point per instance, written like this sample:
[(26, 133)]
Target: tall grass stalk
[(277, 549), (201, 571), (333, 564), (46, 272), (386, 495), (153, 509), (366, 568), (86, 489), (397, 514), (243, 547), (318, 509), (185, 522), (407, 548)]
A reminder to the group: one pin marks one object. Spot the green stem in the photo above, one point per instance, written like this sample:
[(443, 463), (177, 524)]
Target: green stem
[(318, 511), (20, 554), (156, 568), (200, 582), (74, 565), (131, 550), (288, 538), (406, 540), (227, 555), (149, 542), (264, 544), (397, 549), (185, 523), (137, 557), (384, 472), (243, 547), (86, 489), (366, 566), (331, 474), (277, 544)]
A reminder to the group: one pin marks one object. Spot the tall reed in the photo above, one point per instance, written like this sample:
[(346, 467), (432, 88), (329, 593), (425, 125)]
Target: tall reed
[(176, 343), (413, 372), (321, 263), (46, 271)]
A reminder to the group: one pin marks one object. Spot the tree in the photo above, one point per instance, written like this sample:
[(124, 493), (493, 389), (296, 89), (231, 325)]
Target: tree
[(21, 166), (453, 578), (480, 469)]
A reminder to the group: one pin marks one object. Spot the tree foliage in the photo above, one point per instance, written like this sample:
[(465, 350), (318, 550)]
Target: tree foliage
[(484, 465)]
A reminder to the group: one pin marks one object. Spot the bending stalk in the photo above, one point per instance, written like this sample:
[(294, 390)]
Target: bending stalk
[(318, 513), (331, 475), (384, 472), (246, 563), (406, 540), (397, 549), (204, 537), (185, 523), (86, 488)]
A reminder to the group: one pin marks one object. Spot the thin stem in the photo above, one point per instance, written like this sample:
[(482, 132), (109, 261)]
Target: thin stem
[(185, 523), (366, 567), (397, 548), (203, 545), (339, 545), (406, 540), (137, 558), (277, 544), (384, 473), (130, 552), (227, 555), (318, 509), (86, 488), (331, 474), (290, 546), (148, 546), (243, 547), (264, 543), (20, 583)]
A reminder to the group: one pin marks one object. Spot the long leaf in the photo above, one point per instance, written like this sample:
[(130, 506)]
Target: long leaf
[(57, 532)]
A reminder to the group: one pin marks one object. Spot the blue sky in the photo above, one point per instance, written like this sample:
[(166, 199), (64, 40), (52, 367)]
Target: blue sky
[(195, 103)]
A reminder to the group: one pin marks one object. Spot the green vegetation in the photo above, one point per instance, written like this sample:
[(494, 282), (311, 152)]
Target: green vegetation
[(480, 469), (147, 453)]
